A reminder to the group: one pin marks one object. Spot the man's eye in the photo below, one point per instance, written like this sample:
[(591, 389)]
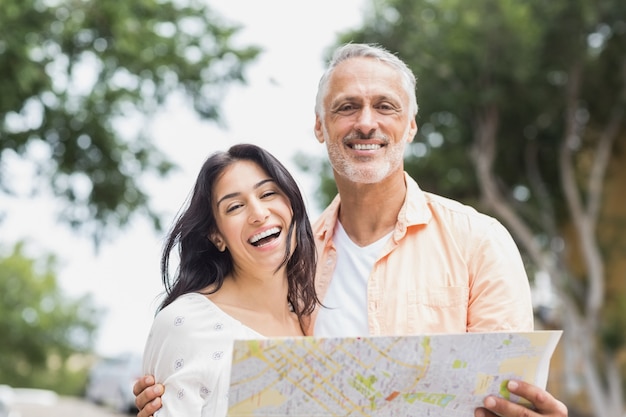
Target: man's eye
[(386, 108), (346, 109)]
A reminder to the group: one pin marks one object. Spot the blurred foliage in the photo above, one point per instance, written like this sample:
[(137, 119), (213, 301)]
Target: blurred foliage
[(321, 169), (76, 74), (43, 331)]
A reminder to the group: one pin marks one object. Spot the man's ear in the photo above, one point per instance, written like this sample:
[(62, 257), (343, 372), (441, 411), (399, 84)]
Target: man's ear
[(413, 131), (217, 241), (318, 129)]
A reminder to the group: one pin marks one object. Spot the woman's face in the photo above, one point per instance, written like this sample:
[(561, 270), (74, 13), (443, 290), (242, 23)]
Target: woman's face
[(252, 215)]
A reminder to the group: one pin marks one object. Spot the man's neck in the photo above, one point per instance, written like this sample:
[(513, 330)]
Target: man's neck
[(370, 211)]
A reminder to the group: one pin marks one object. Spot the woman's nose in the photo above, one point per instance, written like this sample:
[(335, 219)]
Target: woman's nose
[(258, 212)]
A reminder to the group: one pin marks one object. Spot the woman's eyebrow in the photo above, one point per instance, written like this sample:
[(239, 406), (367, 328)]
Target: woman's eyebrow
[(235, 194)]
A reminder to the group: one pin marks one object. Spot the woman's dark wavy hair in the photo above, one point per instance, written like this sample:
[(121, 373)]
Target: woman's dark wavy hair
[(202, 264)]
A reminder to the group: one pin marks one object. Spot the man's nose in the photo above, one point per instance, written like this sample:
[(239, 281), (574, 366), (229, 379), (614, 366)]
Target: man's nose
[(366, 122)]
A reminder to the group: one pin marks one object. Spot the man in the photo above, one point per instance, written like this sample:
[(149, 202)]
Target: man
[(392, 258)]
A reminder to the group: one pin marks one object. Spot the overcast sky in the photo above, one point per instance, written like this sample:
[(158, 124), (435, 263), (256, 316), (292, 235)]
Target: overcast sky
[(274, 110)]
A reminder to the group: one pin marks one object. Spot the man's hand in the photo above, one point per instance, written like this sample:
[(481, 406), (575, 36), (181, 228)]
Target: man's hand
[(147, 396), (544, 404)]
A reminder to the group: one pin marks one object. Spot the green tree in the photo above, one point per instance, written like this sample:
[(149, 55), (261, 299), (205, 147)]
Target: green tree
[(73, 72), (522, 113), (42, 330)]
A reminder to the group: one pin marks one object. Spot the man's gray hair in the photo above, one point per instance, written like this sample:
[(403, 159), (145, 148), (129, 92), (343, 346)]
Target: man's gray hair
[(363, 50)]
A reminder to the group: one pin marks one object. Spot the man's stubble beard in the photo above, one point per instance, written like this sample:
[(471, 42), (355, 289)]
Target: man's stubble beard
[(362, 171)]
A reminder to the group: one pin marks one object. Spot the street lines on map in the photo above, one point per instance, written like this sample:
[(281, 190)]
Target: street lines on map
[(391, 376), (311, 368)]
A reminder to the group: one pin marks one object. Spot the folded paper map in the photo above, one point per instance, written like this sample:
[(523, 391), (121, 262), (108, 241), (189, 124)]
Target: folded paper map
[(426, 375)]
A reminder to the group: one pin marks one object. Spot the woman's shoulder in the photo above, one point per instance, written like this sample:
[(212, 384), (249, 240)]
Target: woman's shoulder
[(194, 311), (192, 308), (190, 302)]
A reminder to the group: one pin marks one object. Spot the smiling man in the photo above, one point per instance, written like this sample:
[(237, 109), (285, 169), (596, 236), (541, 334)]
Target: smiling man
[(393, 259)]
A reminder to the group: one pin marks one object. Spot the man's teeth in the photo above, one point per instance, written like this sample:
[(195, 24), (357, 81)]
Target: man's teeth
[(366, 146), (264, 234)]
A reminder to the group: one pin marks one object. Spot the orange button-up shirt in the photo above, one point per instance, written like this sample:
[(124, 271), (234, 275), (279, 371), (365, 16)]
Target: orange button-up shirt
[(446, 269)]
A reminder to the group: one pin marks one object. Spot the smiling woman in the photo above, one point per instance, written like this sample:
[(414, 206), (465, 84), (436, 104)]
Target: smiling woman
[(247, 265)]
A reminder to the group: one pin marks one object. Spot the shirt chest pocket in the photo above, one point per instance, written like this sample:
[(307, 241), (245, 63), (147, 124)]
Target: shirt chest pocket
[(437, 309)]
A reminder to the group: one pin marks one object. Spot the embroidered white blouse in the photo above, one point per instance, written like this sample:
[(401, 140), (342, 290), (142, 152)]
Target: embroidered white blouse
[(189, 350)]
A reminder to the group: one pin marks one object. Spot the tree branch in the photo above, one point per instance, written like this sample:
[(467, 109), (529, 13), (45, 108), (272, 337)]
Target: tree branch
[(583, 223), (483, 155)]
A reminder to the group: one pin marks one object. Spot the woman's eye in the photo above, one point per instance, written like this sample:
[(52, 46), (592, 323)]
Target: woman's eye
[(268, 194), (232, 208)]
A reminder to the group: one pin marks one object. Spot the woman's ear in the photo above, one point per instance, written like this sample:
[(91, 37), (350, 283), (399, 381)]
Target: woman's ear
[(217, 240)]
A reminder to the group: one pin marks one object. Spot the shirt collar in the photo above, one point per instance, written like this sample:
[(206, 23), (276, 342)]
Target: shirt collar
[(414, 211)]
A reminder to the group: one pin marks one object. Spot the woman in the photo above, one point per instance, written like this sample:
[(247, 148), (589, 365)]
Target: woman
[(246, 270)]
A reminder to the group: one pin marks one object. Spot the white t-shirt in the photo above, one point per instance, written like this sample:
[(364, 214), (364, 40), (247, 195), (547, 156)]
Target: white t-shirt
[(345, 305)]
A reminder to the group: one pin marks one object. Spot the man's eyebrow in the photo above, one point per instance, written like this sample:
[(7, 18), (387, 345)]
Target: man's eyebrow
[(343, 98), (232, 195), (352, 98)]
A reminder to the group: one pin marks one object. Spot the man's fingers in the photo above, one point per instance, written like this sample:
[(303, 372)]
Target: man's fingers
[(483, 412), (147, 396), (150, 408), (537, 396), (543, 404), (142, 383)]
